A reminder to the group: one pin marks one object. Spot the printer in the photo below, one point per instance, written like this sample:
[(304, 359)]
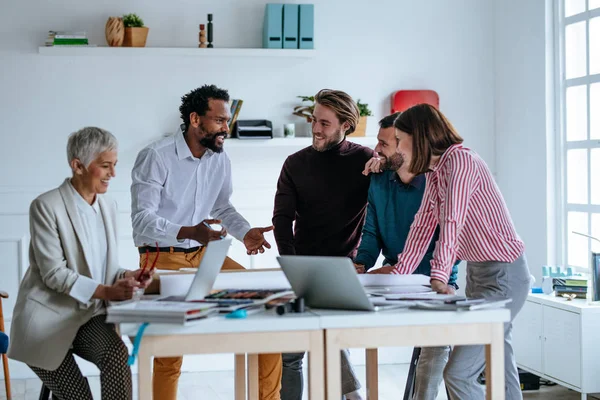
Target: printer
[(253, 129)]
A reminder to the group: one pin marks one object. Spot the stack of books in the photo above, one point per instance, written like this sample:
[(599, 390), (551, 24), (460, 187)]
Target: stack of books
[(236, 106), (152, 311), (575, 285), (67, 38)]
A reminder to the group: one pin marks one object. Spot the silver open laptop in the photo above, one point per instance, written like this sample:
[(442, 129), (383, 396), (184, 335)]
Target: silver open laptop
[(328, 282), (208, 270)]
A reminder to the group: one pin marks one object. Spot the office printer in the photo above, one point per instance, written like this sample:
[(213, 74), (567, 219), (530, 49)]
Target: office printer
[(253, 129)]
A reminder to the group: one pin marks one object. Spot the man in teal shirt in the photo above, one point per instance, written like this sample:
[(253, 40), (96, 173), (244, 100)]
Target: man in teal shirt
[(392, 204)]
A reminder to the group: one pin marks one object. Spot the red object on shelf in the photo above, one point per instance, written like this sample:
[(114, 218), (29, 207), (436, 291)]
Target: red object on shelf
[(405, 99)]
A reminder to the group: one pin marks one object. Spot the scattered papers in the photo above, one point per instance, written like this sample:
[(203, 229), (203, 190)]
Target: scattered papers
[(266, 280), (179, 284), (158, 312), (385, 280), (393, 290)]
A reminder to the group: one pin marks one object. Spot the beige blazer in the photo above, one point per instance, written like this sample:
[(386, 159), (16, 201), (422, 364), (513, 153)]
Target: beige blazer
[(46, 319)]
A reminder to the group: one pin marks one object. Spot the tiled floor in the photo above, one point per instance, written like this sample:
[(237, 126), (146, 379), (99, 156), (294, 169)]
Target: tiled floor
[(219, 386)]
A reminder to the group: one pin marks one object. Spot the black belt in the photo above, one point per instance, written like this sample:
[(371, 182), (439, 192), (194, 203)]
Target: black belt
[(152, 249)]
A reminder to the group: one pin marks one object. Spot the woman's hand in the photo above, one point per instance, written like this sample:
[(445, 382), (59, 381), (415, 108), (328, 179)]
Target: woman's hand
[(373, 166), (441, 287), (143, 280), (122, 289)]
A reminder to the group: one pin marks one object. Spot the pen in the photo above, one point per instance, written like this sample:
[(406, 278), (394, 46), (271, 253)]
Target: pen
[(209, 227)]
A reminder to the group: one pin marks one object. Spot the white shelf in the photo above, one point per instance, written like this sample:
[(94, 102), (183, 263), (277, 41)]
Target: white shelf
[(369, 141), (171, 52)]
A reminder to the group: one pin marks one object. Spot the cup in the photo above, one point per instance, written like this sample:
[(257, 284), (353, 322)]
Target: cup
[(289, 130)]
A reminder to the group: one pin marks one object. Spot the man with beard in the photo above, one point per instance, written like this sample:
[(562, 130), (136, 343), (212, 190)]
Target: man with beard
[(394, 199), (178, 183), (321, 189)]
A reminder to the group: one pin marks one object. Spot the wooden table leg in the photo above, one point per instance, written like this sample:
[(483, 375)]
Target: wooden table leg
[(333, 365), (253, 377), (144, 360), (494, 366), (240, 376), (316, 366), (372, 366)]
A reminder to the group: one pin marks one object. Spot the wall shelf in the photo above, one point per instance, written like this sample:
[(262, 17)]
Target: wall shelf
[(172, 52), (369, 141)]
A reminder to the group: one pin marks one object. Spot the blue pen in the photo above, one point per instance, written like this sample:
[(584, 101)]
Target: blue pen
[(209, 227)]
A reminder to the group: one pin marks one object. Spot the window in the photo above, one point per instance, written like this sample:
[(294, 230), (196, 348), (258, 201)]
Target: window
[(578, 84)]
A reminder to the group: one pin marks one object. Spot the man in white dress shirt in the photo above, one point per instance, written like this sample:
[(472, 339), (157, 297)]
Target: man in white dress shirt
[(178, 184)]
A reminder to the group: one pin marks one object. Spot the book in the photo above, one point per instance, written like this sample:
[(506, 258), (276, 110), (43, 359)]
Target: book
[(570, 289), (581, 282), (234, 115), (159, 312), (229, 300)]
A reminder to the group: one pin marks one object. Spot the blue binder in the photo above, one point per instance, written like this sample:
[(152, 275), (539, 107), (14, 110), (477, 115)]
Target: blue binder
[(290, 26), (273, 26), (307, 24)]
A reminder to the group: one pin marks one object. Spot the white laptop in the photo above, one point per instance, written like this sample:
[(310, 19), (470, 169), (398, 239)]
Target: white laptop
[(206, 275), (331, 282)]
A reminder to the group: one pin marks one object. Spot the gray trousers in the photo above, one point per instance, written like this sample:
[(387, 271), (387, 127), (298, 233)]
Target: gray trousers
[(292, 382), (430, 369), (489, 279)]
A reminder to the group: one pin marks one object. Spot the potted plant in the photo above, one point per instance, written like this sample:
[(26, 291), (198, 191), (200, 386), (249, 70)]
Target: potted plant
[(304, 129), (361, 128), (135, 31)]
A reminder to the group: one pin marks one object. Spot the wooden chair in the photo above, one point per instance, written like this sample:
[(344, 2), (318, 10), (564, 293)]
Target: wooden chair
[(4, 295)]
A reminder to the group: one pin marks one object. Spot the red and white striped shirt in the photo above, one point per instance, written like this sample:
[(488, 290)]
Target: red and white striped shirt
[(462, 196)]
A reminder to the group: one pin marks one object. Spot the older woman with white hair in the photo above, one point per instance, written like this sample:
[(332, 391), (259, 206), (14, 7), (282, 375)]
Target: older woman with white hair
[(73, 272)]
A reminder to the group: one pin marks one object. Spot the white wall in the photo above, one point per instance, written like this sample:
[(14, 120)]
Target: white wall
[(523, 135), (368, 49)]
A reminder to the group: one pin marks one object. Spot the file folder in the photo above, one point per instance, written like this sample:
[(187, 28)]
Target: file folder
[(290, 26), (306, 26), (273, 26)]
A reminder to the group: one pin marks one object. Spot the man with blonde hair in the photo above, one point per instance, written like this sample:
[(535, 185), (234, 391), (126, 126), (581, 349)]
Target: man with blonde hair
[(322, 189)]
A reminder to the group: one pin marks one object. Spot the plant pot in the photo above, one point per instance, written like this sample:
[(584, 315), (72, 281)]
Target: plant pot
[(361, 128), (114, 31), (135, 37), (303, 129)]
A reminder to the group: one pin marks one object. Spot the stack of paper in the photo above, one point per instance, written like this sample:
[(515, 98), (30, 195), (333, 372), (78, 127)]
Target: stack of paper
[(159, 312), (387, 280)]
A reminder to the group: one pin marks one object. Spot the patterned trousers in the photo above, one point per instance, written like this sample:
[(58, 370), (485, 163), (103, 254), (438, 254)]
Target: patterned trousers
[(98, 343)]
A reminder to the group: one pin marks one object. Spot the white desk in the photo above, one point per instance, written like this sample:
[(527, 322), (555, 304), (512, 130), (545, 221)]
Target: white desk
[(258, 333), (351, 329)]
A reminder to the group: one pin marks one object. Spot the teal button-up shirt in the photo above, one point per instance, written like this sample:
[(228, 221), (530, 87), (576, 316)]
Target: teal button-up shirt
[(390, 212)]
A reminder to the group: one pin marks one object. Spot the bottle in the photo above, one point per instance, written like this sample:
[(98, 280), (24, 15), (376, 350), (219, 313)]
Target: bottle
[(210, 31)]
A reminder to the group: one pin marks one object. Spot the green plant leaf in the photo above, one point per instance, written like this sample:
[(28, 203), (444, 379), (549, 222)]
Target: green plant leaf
[(132, 21), (363, 109)]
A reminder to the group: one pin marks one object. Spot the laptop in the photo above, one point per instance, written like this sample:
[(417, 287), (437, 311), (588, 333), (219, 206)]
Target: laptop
[(227, 300), (330, 282), (208, 270)]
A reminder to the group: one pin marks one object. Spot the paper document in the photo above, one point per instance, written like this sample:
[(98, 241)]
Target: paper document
[(393, 290), (252, 280), (179, 284), (422, 296), (393, 280)]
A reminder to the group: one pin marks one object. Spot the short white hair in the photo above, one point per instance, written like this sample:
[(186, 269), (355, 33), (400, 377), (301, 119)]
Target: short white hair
[(88, 143)]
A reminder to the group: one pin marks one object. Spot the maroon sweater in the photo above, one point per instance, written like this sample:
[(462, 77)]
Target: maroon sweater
[(326, 195)]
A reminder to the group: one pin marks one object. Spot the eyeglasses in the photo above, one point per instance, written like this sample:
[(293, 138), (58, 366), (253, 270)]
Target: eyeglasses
[(146, 261)]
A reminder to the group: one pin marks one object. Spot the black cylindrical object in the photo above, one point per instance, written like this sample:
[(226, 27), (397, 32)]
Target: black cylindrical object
[(210, 31)]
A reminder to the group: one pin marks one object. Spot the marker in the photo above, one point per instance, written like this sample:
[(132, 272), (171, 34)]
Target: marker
[(241, 313)]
